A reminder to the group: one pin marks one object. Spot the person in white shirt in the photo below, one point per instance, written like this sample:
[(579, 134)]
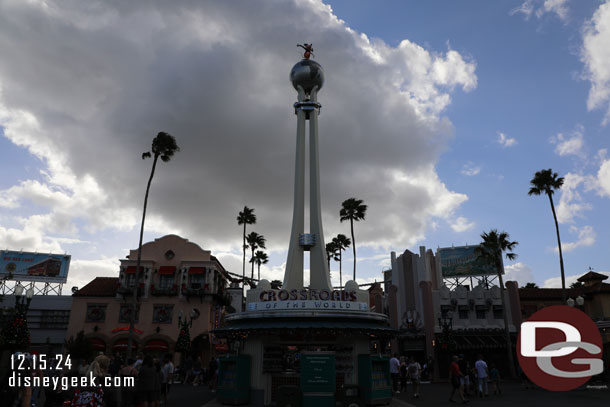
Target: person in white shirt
[(482, 375), (167, 373), (414, 372), (395, 372)]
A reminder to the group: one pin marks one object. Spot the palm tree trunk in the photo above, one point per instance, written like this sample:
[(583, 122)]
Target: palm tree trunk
[(252, 275), (243, 283), (563, 276), (259, 272), (351, 221), (509, 345), (340, 276), (138, 271)]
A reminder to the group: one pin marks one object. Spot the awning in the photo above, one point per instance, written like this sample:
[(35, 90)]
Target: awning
[(308, 324), (131, 270), (156, 344), (197, 270), (97, 344), (167, 269), (125, 329), (123, 343)]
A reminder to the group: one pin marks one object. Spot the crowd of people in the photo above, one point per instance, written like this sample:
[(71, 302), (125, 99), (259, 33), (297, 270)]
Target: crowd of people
[(468, 378), (143, 381), (407, 370), (472, 379)]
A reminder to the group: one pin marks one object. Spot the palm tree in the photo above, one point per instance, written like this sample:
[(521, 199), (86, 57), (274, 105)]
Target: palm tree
[(341, 243), (331, 253), (490, 249), (163, 146), (260, 257), (531, 285), (245, 217), (255, 241), (546, 182), (352, 209)]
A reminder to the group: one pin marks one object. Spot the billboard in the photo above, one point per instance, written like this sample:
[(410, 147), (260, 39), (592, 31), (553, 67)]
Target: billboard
[(26, 266), (461, 261)]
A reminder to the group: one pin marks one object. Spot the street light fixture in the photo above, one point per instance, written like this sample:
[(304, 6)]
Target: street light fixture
[(580, 301)]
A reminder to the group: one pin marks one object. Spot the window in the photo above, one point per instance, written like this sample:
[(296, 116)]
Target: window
[(130, 280), (463, 313), (125, 313), (196, 281), (481, 313), (169, 255), (166, 281), (54, 319), (96, 313), (498, 314), (162, 314)]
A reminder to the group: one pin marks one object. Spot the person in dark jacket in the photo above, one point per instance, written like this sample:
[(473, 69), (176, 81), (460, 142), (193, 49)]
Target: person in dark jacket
[(146, 382)]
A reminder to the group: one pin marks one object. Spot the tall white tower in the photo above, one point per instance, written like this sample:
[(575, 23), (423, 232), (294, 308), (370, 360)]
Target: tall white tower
[(307, 78)]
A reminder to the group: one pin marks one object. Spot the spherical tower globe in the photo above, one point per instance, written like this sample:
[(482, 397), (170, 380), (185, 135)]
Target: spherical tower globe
[(307, 73)]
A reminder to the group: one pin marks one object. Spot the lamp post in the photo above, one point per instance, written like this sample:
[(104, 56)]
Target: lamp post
[(445, 322), (579, 302), (183, 343), (22, 302)]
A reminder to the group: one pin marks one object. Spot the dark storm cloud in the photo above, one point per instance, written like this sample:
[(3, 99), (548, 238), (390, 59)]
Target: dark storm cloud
[(102, 79)]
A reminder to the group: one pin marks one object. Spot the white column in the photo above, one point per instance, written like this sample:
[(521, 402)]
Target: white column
[(319, 276), (293, 275)]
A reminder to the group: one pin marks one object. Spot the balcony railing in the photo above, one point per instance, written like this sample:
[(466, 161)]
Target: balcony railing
[(164, 292), (126, 291)]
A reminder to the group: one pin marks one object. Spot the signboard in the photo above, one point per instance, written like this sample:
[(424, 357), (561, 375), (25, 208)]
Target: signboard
[(318, 372), (461, 261), (307, 304), (26, 266)]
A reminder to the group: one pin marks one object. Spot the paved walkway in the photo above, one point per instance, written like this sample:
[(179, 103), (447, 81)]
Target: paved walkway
[(513, 394)]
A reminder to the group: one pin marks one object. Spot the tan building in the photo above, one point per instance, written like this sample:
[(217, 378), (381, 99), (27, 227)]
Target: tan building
[(592, 296), (179, 279)]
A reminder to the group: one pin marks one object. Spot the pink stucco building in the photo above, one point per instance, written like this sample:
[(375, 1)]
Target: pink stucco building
[(178, 276)]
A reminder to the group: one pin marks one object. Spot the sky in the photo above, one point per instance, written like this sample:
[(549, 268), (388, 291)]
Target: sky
[(437, 114)]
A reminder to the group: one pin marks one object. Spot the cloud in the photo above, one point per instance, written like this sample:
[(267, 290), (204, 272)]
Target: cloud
[(506, 141), (519, 272), (569, 145), (555, 282), (85, 87), (571, 204), (603, 178), (83, 271), (595, 54), (539, 8), (462, 224), (470, 169), (586, 237)]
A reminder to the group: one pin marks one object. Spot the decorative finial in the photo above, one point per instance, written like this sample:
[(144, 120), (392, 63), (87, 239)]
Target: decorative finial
[(308, 50)]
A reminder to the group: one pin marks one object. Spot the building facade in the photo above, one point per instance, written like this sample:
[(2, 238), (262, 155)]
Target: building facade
[(179, 280), (47, 321), (437, 318)]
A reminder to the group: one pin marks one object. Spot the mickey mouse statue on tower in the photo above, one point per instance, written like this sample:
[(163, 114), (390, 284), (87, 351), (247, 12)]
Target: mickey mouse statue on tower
[(308, 50)]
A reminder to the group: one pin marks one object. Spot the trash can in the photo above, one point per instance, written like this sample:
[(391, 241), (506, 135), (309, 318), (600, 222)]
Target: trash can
[(288, 396), (349, 396)]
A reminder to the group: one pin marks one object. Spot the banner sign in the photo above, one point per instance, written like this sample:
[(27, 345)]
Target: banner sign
[(26, 266), (461, 261), (309, 305)]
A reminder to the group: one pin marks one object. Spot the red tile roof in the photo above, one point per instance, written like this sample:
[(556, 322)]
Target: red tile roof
[(99, 287)]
